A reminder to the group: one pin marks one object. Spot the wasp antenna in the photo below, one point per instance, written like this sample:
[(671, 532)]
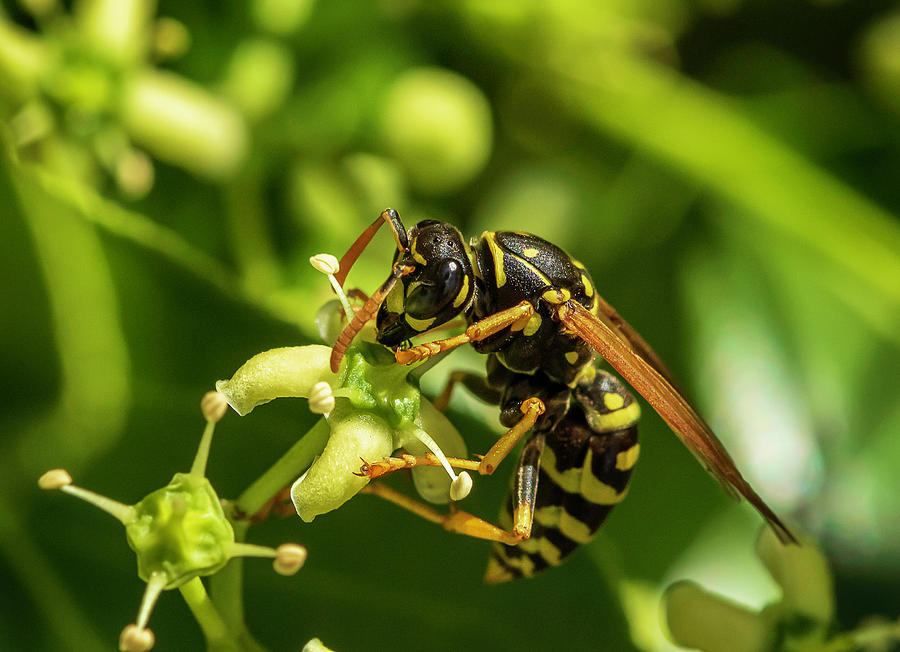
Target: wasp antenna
[(388, 216), (364, 314)]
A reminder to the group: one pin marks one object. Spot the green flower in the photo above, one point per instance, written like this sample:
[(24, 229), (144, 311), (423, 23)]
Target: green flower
[(179, 533), (371, 406)]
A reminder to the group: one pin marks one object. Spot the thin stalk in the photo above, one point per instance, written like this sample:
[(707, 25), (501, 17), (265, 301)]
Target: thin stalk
[(218, 635), (296, 460)]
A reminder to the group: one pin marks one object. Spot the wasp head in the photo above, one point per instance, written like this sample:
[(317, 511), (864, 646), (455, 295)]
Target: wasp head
[(440, 287)]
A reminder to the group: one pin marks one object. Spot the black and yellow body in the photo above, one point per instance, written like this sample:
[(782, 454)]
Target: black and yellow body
[(578, 457), (534, 311), (582, 473)]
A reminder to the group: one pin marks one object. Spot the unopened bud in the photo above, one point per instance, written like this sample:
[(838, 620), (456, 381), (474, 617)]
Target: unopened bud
[(290, 558)]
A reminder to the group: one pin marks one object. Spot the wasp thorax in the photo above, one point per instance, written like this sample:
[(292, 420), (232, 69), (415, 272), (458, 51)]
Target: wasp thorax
[(440, 288)]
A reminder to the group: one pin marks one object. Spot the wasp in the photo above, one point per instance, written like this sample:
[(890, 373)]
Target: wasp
[(535, 312)]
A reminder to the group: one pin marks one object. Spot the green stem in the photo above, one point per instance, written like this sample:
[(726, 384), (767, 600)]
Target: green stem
[(198, 468), (296, 460), (218, 635)]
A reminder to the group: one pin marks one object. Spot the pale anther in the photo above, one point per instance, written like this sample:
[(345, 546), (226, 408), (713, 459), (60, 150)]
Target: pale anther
[(55, 479), (290, 558), (460, 486), (321, 398), (325, 263), (136, 639)]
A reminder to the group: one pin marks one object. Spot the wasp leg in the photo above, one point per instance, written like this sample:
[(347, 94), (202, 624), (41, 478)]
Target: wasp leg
[(456, 521), (516, 318), (532, 408), (475, 383)]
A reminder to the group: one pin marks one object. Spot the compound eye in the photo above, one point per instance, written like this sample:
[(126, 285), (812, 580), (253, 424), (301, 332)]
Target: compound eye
[(434, 293)]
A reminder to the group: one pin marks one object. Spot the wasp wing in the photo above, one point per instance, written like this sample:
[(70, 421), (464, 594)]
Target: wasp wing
[(631, 357)]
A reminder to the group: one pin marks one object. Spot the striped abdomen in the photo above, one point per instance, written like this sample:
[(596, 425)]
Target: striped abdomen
[(584, 472)]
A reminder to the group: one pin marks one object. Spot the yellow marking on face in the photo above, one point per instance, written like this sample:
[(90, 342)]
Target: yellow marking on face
[(550, 553), (588, 288), (622, 418), (394, 300), (497, 254), (556, 296), (419, 258), (420, 325), (627, 459), (613, 402), (461, 297), (530, 252), (533, 325), (572, 357)]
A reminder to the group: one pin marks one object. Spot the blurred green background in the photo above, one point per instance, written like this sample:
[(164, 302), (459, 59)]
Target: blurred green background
[(727, 169)]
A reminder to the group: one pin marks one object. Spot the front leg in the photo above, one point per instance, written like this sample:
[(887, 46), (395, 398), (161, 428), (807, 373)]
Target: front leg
[(515, 318)]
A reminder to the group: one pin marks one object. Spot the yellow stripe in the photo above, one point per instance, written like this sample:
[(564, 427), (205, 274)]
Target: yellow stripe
[(530, 545), (613, 401), (497, 254), (550, 553), (573, 528), (588, 288), (627, 459), (569, 480), (556, 517), (595, 491), (419, 324), (581, 480), (617, 420), (461, 297)]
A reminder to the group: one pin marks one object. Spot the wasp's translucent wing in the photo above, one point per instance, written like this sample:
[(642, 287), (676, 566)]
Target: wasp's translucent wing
[(631, 357)]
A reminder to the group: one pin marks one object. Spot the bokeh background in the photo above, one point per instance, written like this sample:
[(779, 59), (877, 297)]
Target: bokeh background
[(727, 169)]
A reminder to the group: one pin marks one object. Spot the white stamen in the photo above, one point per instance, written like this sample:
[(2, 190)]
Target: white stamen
[(60, 479), (329, 265), (461, 486), (426, 439), (321, 398)]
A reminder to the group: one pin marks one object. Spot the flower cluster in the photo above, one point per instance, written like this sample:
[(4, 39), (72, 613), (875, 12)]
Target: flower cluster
[(179, 533)]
